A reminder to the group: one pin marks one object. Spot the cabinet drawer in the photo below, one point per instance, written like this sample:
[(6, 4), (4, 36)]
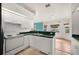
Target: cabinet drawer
[(14, 43)]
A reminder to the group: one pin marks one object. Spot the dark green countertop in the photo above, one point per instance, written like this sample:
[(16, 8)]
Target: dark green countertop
[(40, 33), (75, 36)]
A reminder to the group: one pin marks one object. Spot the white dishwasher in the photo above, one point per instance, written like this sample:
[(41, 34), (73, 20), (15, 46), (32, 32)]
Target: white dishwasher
[(13, 43)]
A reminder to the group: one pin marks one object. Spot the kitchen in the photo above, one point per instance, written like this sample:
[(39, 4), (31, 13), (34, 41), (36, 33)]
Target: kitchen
[(39, 28)]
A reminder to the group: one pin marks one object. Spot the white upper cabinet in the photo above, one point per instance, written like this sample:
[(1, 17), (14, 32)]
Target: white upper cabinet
[(14, 17), (75, 23), (11, 17)]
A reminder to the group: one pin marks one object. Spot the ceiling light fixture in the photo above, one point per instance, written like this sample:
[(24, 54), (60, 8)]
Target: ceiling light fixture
[(47, 5)]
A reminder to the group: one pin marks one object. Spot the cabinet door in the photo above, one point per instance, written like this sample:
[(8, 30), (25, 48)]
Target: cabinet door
[(11, 17), (26, 41), (43, 44), (75, 23), (32, 41), (14, 43), (37, 43), (6, 16)]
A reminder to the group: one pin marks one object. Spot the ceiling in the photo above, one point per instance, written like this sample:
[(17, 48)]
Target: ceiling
[(33, 6), (41, 12), (55, 10)]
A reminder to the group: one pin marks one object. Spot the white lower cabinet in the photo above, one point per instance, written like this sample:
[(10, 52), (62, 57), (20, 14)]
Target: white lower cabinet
[(11, 44), (41, 43), (32, 41), (44, 44), (26, 41), (16, 44)]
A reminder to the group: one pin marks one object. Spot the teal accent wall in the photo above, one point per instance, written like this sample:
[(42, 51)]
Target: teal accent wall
[(38, 26)]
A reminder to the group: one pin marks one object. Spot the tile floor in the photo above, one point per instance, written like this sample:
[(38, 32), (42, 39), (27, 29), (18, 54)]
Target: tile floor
[(30, 51)]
